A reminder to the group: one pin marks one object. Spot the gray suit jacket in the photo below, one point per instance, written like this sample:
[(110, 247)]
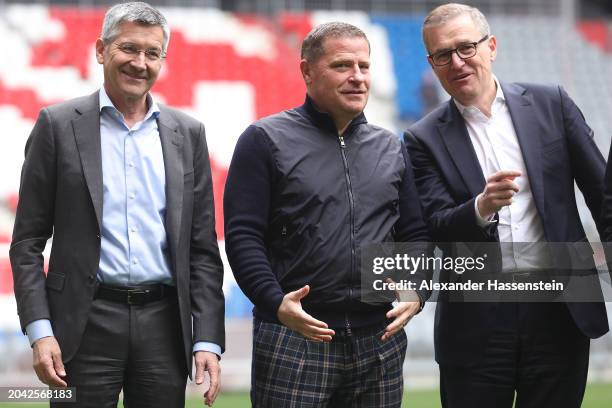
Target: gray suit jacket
[(61, 196)]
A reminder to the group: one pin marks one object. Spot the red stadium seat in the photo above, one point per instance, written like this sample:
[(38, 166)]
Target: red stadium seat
[(6, 277), (596, 32)]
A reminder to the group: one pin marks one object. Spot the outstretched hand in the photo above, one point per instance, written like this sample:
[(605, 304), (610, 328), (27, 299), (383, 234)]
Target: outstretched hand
[(407, 306), (291, 314)]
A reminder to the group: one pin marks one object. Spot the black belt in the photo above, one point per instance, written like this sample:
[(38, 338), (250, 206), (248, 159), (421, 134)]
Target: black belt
[(343, 333), (135, 295)]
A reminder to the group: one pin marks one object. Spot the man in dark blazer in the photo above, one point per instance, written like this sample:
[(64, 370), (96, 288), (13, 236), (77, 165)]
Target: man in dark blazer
[(123, 185), (497, 163)]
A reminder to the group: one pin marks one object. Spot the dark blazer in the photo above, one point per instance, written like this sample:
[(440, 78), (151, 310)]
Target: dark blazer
[(606, 214), (558, 150), (61, 197)]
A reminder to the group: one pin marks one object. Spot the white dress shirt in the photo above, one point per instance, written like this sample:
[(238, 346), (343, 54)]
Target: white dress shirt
[(497, 148)]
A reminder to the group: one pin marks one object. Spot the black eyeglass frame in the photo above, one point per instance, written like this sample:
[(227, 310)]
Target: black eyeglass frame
[(473, 46)]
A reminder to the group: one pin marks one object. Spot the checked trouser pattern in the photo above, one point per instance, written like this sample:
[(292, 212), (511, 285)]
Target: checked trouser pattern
[(357, 370)]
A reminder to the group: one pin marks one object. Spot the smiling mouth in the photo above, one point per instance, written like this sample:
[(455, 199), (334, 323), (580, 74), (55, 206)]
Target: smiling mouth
[(133, 76), (461, 77)]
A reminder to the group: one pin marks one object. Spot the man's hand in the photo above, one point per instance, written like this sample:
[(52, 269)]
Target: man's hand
[(407, 306), (291, 314), (48, 362), (498, 192), (208, 361)]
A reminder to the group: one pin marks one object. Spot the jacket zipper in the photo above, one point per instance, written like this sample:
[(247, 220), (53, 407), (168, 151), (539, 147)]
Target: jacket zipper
[(352, 224), (347, 321)]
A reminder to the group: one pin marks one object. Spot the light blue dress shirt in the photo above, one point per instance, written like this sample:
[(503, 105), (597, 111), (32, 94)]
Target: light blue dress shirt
[(134, 247)]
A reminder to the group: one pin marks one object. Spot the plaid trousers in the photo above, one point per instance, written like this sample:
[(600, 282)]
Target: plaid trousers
[(357, 370)]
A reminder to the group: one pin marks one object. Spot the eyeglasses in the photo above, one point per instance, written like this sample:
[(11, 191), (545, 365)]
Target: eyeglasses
[(464, 51), (151, 54)]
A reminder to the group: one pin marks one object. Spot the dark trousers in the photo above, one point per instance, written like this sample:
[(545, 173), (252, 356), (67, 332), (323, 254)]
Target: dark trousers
[(535, 354), (135, 348), (350, 371)]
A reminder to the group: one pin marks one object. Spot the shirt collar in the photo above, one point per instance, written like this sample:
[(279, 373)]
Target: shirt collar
[(105, 102), (468, 111), (323, 119)]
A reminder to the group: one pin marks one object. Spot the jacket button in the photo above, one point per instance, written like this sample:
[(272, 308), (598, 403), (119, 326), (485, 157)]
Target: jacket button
[(91, 278)]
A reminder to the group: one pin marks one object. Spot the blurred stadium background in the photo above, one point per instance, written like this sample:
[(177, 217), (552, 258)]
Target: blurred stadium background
[(232, 62)]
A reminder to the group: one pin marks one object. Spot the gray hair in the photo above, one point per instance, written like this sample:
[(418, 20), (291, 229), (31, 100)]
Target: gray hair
[(446, 12), (134, 12), (312, 46)]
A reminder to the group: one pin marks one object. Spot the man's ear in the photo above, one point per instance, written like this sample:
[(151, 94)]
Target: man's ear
[(100, 51), (306, 71), (430, 61), (493, 47)]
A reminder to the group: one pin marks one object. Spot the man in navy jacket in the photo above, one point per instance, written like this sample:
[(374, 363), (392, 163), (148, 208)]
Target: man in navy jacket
[(307, 189), (497, 163)]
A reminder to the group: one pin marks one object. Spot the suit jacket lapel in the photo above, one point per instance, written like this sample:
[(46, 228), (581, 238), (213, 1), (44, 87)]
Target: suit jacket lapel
[(172, 147), (527, 131), (460, 149), (86, 128)]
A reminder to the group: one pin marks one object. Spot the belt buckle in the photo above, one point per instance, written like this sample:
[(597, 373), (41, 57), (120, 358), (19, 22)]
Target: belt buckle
[(516, 277), (137, 296)]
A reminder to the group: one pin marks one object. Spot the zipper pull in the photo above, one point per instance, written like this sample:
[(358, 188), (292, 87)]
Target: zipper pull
[(284, 231), (342, 144), (347, 325)]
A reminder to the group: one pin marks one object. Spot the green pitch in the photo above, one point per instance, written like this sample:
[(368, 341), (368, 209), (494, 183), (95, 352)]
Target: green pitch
[(416, 399), (597, 396)]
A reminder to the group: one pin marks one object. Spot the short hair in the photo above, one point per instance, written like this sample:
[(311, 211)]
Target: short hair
[(135, 12), (446, 12), (312, 46)]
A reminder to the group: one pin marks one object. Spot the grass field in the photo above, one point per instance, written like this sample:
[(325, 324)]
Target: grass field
[(597, 396)]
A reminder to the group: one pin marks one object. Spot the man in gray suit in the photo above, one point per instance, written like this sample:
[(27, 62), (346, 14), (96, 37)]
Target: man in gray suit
[(123, 185)]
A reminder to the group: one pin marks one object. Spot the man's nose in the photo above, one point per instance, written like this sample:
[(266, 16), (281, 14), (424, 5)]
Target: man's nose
[(357, 75), (456, 60), (139, 60)]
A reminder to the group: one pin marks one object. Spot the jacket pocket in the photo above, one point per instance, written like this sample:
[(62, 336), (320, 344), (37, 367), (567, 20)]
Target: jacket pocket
[(188, 176), (55, 281)]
